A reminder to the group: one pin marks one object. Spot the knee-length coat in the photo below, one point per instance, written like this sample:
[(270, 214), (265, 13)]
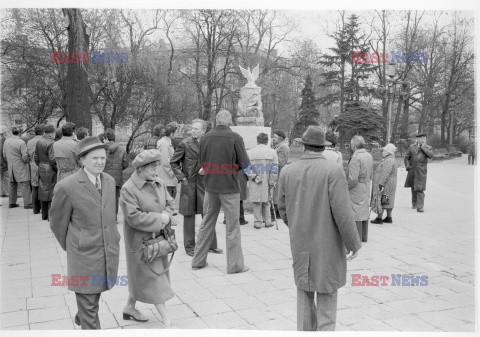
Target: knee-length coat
[(416, 161), (83, 221), (142, 204), (263, 163), (385, 175), (185, 164), (359, 177), (47, 168)]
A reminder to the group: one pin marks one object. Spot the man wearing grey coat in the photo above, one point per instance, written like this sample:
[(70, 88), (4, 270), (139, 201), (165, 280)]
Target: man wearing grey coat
[(82, 218), (315, 205), (16, 154)]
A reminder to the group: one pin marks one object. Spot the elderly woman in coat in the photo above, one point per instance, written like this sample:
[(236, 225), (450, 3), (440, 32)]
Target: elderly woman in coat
[(147, 208), (359, 177), (385, 183)]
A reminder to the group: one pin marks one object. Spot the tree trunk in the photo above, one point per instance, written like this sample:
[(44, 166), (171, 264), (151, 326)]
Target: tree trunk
[(77, 98)]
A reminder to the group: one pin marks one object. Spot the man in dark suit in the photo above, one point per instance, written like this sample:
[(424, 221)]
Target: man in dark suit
[(185, 164), (82, 217)]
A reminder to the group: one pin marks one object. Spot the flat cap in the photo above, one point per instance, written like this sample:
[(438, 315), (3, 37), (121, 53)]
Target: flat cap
[(146, 157)]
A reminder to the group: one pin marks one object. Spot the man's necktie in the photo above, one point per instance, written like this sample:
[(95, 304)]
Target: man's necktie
[(97, 185)]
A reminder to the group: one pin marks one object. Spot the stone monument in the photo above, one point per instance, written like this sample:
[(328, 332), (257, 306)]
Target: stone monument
[(250, 120), (250, 102)]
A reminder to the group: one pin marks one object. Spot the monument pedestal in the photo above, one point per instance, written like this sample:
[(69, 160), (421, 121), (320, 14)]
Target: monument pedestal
[(250, 121), (249, 134)]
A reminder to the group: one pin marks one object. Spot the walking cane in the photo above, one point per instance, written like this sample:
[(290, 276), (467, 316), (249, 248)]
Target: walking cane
[(274, 213)]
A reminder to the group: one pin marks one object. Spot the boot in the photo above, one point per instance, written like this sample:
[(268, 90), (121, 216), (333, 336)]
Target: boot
[(388, 219), (364, 231), (378, 221)]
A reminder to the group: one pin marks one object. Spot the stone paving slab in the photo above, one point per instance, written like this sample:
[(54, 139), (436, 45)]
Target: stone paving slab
[(439, 243)]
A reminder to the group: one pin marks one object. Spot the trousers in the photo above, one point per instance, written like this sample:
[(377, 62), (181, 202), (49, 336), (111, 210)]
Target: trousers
[(87, 305), (36, 204), (261, 213), (189, 234), (211, 206), (45, 209), (26, 192), (418, 199), (319, 315)]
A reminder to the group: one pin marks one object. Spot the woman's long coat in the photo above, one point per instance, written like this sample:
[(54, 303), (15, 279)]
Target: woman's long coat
[(315, 205), (185, 164), (385, 175), (416, 161), (31, 148), (47, 168), (142, 204), (84, 223), (359, 177)]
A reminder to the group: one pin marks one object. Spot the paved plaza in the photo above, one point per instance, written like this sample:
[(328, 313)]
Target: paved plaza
[(439, 243)]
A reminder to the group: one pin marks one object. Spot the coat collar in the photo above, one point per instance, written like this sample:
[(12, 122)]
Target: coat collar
[(311, 155), (139, 182), (360, 151), (87, 184)]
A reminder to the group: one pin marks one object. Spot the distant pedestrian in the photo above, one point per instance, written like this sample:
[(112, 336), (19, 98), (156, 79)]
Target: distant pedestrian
[(28, 135), (165, 172), (359, 178), (384, 185), (58, 134), (117, 161), (16, 154), (47, 169), (315, 205), (185, 164), (331, 153), (263, 174), (81, 133), (82, 218), (416, 161), (4, 179), (157, 133), (283, 152), (222, 153), (65, 151), (177, 139), (471, 151), (31, 148), (147, 209)]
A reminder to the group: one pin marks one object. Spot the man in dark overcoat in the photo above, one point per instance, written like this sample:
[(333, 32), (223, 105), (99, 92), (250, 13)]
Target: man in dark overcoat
[(47, 169), (31, 148), (82, 218), (315, 205), (185, 164), (416, 161)]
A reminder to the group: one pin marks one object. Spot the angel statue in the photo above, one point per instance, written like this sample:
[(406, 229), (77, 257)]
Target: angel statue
[(251, 76)]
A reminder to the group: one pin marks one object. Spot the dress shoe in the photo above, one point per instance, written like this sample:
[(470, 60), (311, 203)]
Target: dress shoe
[(413, 206), (243, 222), (244, 269), (200, 267), (420, 210), (216, 250), (77, 320), (388, 219), (378, 221), (134, 314), (13, 205), (257, 226), (269, 224), (28, 207), (190, 253)]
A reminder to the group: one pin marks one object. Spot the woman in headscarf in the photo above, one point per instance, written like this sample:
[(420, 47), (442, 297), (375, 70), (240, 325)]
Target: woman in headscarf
[(385, 183), (147, 208)]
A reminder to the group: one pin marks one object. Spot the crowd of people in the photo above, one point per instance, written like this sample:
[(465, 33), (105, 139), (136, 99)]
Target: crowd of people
[(76, 183)]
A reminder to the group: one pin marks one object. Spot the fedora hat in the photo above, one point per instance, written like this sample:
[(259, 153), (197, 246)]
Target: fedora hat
[(89, 144), (314, 136)]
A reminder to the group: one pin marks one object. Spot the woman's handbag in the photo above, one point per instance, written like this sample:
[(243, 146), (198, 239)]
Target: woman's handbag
[(385, 200), (160, 246)]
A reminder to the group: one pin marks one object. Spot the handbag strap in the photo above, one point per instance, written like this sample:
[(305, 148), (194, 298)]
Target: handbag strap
[(169, 262)]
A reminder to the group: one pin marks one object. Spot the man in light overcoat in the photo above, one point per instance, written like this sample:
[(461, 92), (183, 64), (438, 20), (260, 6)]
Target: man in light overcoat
[(65, 151), (16, 154), (315, 205), (82, 217)]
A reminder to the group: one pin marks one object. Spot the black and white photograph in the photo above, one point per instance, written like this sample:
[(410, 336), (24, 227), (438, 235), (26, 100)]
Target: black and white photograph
[(217, 167)]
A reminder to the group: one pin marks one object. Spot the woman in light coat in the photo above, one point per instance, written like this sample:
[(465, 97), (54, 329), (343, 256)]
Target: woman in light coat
[(359, 178), (385, 183), (147, 208)]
